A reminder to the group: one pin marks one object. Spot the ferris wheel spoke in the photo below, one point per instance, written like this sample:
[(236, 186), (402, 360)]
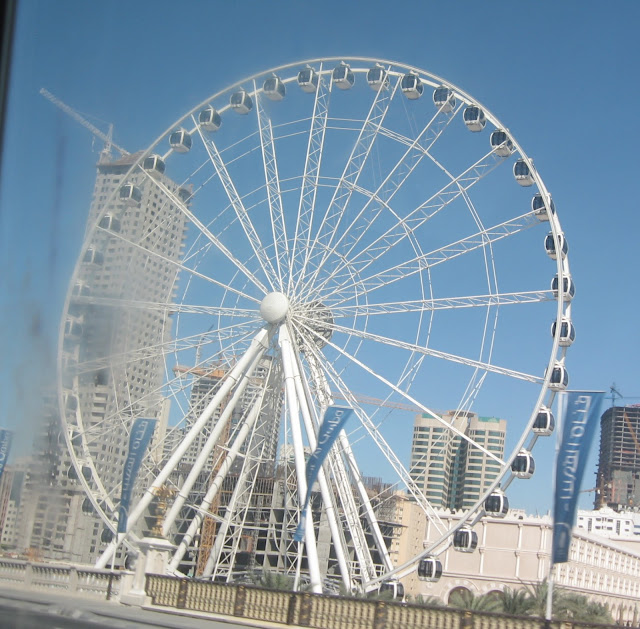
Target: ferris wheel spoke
[(274, 195), (240, 210), (170, 307), (417, 217), (310, 177), (367, 135), (383, 446), (204, 230), (443, 303), (181, 267), (404, 394), (398, 175), (429, 260), (383, 340)]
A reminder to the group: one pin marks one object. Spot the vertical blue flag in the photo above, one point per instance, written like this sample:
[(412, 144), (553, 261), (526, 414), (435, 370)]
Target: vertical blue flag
[(332, 423), (5, 447), (581, 415), (138, 442)]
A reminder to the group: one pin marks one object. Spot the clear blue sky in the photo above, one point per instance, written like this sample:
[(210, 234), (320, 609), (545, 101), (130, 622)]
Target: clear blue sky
[(561, 75)]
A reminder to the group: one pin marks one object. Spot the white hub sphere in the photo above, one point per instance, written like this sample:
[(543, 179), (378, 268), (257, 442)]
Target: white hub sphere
[(274, 307)]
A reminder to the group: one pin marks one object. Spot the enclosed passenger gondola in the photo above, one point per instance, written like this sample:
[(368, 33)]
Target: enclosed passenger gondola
[(110, 223), (184, 194), (522, 173), (568, 288), (106, 536), (550, 246), (343, 76), (394, 587), (429, 569), (412, 86), (444, 99), (130, 194), (209, 119), (154, 165), (87, 506), (308, 80), (70, 402), (559, 378), (274, 88), (465, 540), (501, 143), (544, 423), (241, 102), (180, 141), (567, 332), (377, 78), (72, 329), (474, 118), (81, 289), (540, 209), (497, 504), (523, 466), (93, 256)]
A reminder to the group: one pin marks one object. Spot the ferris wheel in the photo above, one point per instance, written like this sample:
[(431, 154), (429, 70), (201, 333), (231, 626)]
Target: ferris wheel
[(308, 236)]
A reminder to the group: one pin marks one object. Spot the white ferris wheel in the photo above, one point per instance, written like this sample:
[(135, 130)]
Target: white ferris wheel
[(326, 232)]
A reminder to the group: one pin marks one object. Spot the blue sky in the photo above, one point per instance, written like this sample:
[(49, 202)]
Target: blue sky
[(561, 76)]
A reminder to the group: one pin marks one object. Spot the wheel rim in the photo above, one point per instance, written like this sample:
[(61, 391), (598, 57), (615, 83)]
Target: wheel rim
[(320, 198)]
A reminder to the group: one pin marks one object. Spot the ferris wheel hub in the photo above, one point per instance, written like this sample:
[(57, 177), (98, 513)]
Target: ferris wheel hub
[(274, 307)]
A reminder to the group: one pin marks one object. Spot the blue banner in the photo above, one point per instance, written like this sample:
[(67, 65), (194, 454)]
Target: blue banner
[(5, 447), (579, 421), (334, 419), (138, 442)]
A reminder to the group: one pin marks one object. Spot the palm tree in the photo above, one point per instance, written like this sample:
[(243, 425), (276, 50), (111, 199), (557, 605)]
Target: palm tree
[(464, 599), (515, 602)]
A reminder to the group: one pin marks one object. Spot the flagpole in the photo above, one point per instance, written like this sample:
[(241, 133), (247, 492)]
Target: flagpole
[(559, 409)]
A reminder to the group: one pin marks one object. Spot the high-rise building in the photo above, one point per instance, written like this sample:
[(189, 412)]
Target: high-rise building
[(137, 239), (452, 473), (618, 476)]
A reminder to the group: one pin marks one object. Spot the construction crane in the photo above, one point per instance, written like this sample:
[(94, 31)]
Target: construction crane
[(365, 399), (105, 137)]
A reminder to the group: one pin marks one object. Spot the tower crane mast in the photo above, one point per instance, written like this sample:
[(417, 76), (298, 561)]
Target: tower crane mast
[(105, 137)]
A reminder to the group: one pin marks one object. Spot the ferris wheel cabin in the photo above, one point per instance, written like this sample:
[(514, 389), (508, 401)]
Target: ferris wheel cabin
[(274, 88), (184, 195), (130, 194), (567, 332), (497, 504), (523, 466), (501, 143), (568, 287), (93, 256), (81, 289), (180, 141), (110, 223), (154, 165), (540, 209), (343, 77), (72, 330), (559, 378), (209, 119), (544, 423), (377, 78), (395, 587), (465, 540), (474, 118), (412, 86), (550, 246), (429, 569), (308, 80), (444, 99), (522, 173), (241, 102)]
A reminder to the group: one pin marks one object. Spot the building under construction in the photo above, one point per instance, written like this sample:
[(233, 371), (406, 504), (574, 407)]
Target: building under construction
[(618, 479)]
